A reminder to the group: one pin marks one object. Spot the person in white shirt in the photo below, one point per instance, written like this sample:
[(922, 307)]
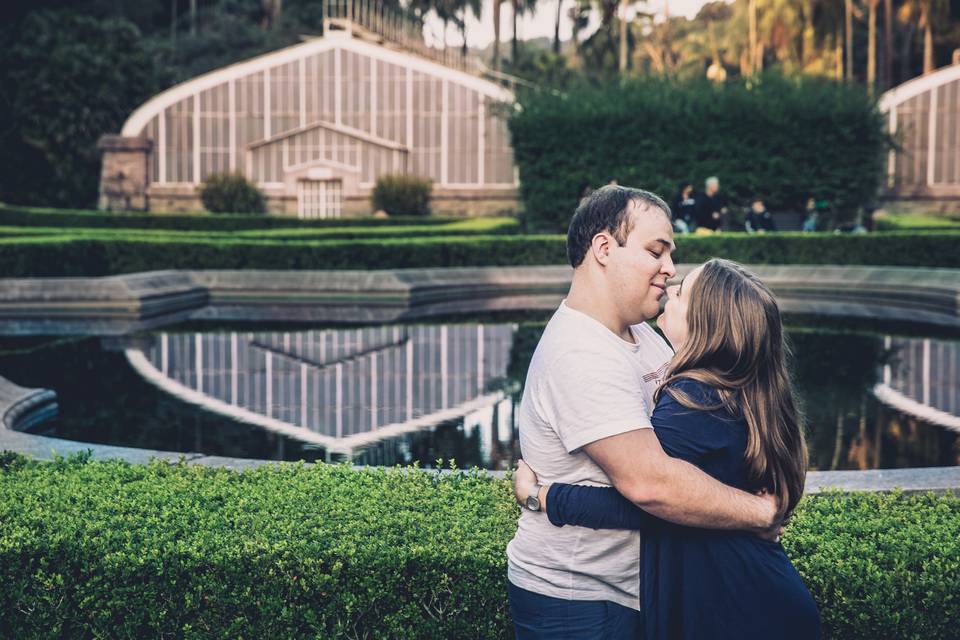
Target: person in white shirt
[(585, 419)]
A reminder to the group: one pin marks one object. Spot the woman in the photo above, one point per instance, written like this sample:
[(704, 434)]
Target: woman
[(726, 405), (684, 209)]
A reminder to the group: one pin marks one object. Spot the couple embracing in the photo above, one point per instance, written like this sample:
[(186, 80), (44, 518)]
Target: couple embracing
[(656, 479)]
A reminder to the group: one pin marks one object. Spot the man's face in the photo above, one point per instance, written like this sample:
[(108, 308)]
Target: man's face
[(638, 271), (711, 188)]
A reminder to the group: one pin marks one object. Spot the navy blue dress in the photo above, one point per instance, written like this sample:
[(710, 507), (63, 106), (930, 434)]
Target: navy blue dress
[(697, 584)]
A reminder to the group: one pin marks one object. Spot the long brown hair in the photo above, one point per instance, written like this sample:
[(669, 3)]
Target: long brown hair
[(735, 344)]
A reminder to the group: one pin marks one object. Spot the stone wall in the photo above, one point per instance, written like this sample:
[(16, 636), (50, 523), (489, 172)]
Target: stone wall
[(124, 173)]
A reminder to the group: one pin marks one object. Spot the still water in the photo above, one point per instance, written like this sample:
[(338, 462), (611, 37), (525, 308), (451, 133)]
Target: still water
[(400, 394)]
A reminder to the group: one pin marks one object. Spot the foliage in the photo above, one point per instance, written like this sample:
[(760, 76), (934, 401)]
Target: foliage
[(90, 254), (68, 79), (231, 193), (784, 140), (347, 231), (96, 549), (74, 218), (916, 222), (402, 195)]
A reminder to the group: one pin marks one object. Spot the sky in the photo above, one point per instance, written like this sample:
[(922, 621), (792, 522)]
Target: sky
[(480, 34)]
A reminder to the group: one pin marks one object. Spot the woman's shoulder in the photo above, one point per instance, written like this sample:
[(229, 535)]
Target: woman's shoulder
[(699, 392)]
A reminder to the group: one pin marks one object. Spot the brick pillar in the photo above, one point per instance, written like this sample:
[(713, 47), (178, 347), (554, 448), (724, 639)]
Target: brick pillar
[(125, 174)]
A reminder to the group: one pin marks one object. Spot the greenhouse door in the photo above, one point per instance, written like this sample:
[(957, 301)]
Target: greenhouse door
[(319, 198)]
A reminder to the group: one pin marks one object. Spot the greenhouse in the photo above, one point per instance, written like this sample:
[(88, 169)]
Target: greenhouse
[(314, 125)]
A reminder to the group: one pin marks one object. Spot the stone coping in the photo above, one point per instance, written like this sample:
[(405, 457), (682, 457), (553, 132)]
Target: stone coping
[(937, 479), (117, 305), (20, 408)]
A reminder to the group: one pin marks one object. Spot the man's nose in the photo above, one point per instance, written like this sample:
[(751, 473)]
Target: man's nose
[(668, 269)]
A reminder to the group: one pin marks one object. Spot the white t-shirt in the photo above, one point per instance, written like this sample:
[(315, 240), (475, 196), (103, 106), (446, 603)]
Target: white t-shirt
[(585, 383)]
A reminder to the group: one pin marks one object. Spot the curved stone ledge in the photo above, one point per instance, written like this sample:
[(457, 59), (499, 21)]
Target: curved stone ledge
[(121, 304), (937, 479), (21, 408)]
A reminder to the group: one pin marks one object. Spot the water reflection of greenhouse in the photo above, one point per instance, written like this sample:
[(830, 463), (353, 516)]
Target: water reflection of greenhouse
[(339, 388)]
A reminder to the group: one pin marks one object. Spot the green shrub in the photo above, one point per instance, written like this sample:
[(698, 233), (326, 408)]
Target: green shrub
[(231, 193), (109, 549), (81, 255), (71, 218), (785, 140), (912, 222), (402, 195), (469, 227)]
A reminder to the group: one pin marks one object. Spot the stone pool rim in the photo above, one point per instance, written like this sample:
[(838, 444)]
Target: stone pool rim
[(116, 305)]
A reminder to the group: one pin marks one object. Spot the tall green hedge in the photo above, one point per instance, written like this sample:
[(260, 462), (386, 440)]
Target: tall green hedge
[(785, 140), (92, 255), (108, 549)]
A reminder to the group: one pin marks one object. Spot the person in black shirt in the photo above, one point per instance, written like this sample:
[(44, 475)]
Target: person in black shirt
[(684, 209), (759, 220), (711, 205)]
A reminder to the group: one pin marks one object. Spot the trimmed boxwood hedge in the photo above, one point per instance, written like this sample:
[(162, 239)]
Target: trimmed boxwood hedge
[(67, 218), (472, 226), (109, 549), (68, 255)]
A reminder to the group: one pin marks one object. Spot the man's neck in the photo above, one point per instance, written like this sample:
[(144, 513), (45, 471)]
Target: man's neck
[(594, 301)]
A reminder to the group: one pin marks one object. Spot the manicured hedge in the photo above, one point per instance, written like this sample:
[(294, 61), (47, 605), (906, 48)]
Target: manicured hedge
[(782, 139), (64, 256), (915, 222), (346, 231), (67, 218), (67, 255), (108, 549)]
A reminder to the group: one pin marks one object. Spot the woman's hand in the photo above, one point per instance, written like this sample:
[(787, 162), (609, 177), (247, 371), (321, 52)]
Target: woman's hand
[(524, 482)]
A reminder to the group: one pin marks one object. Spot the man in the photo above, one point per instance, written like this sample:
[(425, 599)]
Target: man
[(759, 220), (584, 419), (711, 205)]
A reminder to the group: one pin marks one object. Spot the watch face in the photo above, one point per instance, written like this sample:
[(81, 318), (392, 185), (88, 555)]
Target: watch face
[(533, 503)]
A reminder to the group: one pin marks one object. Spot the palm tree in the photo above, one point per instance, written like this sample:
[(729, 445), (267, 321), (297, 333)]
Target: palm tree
[(887, 43), (848, 38), (924, 13), (474, 7), (496, 33), (579, 15), (872, 44), (520, 7), (556, 28)]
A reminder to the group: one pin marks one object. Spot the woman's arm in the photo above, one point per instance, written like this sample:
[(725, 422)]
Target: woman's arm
[(594, 507)]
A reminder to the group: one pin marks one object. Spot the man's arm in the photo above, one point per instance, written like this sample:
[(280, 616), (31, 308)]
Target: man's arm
[(676, 490)]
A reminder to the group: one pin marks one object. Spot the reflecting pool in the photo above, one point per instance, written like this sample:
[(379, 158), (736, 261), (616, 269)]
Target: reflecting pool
[(399, 394)]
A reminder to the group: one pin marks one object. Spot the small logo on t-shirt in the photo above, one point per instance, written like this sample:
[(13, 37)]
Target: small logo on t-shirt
[(657, 376)]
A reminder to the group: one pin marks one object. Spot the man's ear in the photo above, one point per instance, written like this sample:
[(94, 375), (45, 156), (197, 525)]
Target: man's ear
[(600, 247)]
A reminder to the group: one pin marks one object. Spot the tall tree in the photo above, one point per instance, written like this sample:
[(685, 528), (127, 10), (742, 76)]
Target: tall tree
[(473, 6), (556, 28), (848, 38), (872, 44), (496, 33), (887, 43), (520, 7), (924, 13)]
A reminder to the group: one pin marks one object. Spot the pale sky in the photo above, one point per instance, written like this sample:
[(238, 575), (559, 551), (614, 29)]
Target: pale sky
[(480, 34)]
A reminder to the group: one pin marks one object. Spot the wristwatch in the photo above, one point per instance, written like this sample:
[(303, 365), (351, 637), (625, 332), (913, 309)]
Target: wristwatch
[(533, 500)]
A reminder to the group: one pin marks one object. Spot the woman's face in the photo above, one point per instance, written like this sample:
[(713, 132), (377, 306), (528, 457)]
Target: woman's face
[(673, 320)]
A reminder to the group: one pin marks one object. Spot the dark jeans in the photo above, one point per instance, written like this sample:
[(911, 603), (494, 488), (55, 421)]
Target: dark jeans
[(537, 617)]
